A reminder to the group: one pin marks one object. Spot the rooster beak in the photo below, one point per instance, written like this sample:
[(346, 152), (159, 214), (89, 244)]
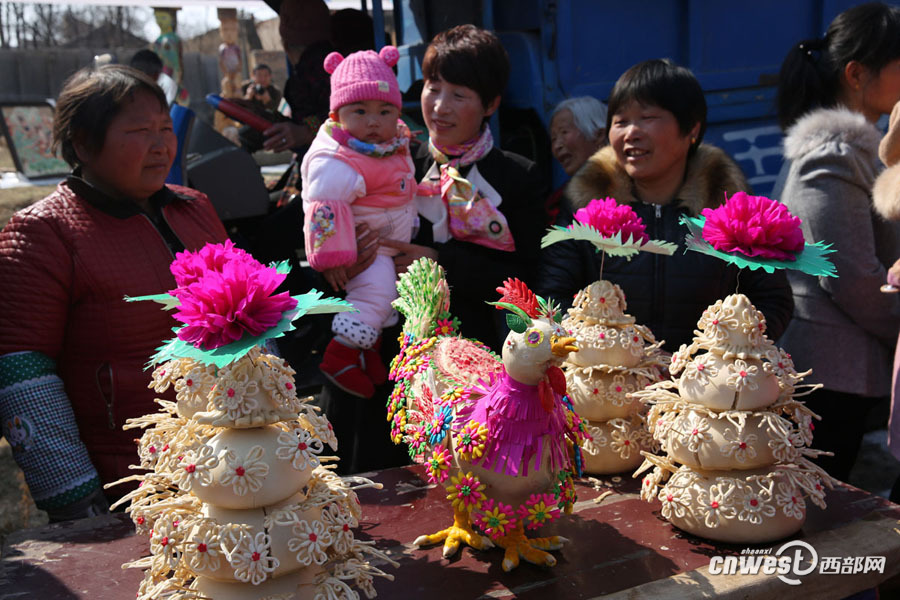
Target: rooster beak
[(561, 346)]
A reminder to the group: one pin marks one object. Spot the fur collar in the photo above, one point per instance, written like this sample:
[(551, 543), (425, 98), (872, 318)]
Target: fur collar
[(710, 174), (831, 125)]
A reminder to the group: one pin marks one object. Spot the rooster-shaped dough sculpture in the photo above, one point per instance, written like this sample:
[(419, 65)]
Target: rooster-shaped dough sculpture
[(499, 435)]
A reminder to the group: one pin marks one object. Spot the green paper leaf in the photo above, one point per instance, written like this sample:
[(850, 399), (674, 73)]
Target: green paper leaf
[(283, 267), (308, 303), (169, 302), (516, 323), (614, 246), (812, 260), (312, 303)]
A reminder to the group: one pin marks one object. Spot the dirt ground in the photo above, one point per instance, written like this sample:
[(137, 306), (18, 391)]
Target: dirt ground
[(17, 509)]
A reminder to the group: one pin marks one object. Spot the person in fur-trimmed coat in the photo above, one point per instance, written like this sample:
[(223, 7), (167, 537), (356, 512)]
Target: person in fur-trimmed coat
[(656, 163), (831, 93), (886, 199), (833, 156)]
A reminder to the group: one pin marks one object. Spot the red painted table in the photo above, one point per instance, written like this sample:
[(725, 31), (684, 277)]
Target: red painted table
[(618, 546)]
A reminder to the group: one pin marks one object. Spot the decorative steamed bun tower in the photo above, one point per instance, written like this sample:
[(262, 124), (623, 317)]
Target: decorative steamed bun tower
[(236, 501), (736, 438), (732, 423), (616, 356)]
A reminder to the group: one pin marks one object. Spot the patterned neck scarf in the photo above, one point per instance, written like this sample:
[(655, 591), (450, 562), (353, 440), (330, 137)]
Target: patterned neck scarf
[(471, 216), (343, 137), (462, 155)]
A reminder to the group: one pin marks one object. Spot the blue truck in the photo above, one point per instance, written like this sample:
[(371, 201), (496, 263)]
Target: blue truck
[(564, 48)]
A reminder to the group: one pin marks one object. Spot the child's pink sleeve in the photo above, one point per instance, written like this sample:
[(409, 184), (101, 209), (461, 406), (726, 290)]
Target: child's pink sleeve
[(329, 234), (330, 186)]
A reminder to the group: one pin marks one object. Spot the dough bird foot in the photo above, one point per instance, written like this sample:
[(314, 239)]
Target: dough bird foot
[(533, 550), (460, 531)]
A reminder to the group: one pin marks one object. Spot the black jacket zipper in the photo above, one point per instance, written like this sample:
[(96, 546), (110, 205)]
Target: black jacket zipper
[(658, 268)]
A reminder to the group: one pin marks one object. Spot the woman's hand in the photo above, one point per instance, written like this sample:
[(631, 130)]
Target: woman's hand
[(366, 250), (336, 278), (408, 254), (281, 137), (893, 276)]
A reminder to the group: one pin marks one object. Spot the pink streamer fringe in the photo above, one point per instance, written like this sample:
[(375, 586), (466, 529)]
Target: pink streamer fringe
[(517, 423)]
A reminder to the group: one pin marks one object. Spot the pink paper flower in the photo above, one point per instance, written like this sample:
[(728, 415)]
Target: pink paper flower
[(753, 226), (609, 217), (189, 266), (230, 299)]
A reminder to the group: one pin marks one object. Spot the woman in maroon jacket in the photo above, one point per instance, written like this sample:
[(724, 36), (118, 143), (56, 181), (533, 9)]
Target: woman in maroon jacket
[(72, 351)]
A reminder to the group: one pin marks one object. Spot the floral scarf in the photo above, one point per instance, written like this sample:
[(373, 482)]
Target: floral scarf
[(463, 154), (343, 137), (471, 216)]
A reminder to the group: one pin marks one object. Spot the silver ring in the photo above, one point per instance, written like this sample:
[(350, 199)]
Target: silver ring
[(284, 140)]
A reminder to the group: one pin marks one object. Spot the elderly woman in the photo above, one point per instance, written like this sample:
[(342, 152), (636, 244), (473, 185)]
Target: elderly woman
[(577, 130), (72, 351), (657, 164), (831, 93)]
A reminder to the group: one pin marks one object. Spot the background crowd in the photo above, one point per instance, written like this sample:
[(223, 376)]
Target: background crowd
[(68, 384)]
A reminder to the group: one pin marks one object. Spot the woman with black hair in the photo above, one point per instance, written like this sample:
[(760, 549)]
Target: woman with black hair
[(497, 235), (465, 69), (657, 164), (831, 92)]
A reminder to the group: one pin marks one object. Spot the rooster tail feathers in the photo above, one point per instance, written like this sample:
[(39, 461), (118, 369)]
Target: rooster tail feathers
[(423, 298)]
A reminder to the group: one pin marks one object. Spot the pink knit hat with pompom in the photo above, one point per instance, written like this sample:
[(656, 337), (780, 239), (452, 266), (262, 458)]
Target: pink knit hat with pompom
[(363, 76)]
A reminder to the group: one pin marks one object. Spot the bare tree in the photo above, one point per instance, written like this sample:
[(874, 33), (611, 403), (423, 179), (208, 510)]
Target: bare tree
[(28, 25), (14, 22), (41, 25), (45, 25)]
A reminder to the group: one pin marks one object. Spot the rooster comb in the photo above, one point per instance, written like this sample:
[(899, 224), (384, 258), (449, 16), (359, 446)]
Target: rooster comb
[(524, 305)]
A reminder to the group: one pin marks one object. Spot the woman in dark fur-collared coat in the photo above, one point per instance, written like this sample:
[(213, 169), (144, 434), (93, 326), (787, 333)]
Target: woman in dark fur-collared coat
[(656, 163)]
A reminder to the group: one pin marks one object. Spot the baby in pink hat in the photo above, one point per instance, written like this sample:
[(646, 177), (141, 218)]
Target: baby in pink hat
[(359, 170)]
